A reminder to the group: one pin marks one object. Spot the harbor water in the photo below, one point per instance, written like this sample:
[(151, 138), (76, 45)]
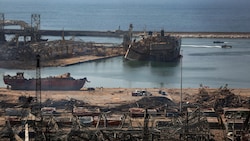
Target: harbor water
[(203, 61)]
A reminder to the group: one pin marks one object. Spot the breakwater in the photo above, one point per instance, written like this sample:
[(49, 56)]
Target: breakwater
[(120, 33), (211, 34)]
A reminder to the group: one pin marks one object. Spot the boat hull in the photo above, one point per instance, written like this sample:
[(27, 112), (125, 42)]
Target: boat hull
[(155, 48), (50, 83)]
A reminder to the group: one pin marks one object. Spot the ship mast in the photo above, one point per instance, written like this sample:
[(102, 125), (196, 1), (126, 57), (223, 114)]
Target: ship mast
[(127, 38), (181, 88)]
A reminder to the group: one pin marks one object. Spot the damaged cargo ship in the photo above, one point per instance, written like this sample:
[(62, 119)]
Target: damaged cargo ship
[(154, 48), (61, 82)]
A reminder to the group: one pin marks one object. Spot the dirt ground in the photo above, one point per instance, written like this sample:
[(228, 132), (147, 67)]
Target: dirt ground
[(98, 97), (112, 96)]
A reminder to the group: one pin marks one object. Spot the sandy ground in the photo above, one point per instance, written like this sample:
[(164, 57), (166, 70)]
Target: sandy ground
[(99, 97), (109, 96)]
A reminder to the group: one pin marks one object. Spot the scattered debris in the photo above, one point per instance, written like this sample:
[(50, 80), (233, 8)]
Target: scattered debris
[(155, 117), (222, 97)]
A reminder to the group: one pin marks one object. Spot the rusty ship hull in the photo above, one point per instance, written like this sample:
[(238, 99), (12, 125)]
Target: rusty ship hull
[(63, 82), (158, 48)]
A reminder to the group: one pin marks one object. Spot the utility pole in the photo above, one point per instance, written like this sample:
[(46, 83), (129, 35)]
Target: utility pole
[(181, 86), (145, 128), (2, 35), (38, 81)]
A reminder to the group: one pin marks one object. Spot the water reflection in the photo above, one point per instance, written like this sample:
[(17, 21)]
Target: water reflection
[(150, 64)]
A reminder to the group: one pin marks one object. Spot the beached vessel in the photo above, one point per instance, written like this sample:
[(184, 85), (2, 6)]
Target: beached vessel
[(154, 48), (61, 82)]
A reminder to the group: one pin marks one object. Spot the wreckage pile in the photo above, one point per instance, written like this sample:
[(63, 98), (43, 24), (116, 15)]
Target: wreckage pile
[(150, 117), (222, 97), (24, 54), (15, 53), (48, 49)]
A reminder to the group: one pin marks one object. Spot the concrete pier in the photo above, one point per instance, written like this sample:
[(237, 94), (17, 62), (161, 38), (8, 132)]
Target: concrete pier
[(20, 32), (211, 34), (120, 33), (35, 32)]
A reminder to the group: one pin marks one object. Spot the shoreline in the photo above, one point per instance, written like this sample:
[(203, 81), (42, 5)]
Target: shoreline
[(89, 60), (52, 63)]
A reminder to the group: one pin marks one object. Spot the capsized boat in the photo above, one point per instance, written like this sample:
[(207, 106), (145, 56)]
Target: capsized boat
[(61, 82)]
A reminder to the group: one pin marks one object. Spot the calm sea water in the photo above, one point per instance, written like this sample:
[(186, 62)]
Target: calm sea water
[(172, 15), (203, 62)]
